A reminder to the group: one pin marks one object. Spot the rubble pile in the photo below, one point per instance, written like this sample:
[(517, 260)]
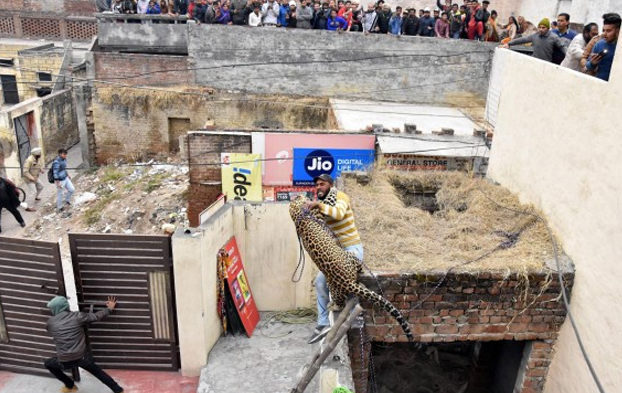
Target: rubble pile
[(123, 198)]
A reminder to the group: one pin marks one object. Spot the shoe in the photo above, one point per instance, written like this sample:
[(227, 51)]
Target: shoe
[(67, 203), (60, 210), (37, 199), (319, 333), (65, 389), (22, 224), (31, 209)]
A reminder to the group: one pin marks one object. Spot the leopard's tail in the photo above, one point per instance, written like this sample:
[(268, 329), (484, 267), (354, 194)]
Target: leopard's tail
[(378, 300)]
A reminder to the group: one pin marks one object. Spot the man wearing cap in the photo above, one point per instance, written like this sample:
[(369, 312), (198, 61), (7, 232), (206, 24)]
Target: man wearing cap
[(544, 42), (426, 24), (335, 205), (67, 330), (33, 167)]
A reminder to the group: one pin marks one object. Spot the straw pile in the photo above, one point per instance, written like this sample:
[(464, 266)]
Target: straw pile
[(400, 238)]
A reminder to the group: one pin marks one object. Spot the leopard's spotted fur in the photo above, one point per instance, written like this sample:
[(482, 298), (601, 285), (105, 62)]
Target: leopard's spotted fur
[(341, 268)]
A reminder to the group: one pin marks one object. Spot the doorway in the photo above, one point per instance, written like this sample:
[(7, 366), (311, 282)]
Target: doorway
[(176, 128), (9, 89), (26, 137)]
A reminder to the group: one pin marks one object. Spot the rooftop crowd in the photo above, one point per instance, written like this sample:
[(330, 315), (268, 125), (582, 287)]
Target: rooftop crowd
[(587, 51)]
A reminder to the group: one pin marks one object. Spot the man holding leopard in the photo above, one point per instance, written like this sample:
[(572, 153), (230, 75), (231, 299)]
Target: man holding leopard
[(335, 206)]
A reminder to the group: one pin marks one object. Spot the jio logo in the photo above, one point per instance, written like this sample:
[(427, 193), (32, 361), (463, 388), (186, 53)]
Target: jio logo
[(319, 162)]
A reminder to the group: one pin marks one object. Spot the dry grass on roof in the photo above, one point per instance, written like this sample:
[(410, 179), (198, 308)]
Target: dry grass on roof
[(400, 238)]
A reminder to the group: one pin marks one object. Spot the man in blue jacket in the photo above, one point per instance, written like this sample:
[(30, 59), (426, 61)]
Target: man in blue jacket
[(601, 58), (62, 180), (426, 24)]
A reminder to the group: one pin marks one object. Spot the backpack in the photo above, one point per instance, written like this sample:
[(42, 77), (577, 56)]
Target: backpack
[(51, 174)]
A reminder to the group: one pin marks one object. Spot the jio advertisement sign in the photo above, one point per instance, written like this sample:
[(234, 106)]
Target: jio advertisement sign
[(310, 163)]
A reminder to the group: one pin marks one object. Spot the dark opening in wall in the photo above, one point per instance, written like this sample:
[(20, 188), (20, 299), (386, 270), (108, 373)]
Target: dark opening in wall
[(466, 367), (420, 197), (43, 91), (44, 76)]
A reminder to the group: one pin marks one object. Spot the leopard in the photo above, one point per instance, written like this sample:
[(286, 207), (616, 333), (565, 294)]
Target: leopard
[(340, 267)]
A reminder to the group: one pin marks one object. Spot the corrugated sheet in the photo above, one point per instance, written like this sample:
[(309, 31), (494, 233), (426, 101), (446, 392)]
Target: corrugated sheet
[(30, 275)]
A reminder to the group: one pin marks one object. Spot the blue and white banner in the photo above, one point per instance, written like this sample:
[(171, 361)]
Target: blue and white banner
[(310, 163)]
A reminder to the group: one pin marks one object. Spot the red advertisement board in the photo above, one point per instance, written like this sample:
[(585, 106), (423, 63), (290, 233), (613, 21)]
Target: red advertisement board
[(240, 288)]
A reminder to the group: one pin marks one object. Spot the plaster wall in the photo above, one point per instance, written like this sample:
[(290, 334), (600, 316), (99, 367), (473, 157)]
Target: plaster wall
[(562, 156), (269, 249), (580, 11), (9, 151), (170, 38), (348, 65)]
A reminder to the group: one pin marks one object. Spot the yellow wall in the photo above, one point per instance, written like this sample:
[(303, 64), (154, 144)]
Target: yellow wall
[(557, 145), (268, 246), (31, 63)]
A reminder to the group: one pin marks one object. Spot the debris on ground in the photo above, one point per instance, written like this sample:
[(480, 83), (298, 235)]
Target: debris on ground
[(140, 198)]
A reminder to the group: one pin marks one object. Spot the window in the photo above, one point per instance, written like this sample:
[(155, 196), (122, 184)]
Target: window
[(44, 76), (6, 63)]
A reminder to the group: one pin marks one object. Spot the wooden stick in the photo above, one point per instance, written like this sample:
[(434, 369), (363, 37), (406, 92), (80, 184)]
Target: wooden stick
[(340, 320), (330, 347), (342, 317)]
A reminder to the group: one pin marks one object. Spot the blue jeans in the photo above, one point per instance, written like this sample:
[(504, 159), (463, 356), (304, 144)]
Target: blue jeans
[(321, 287), (64, 185), (456, 35)]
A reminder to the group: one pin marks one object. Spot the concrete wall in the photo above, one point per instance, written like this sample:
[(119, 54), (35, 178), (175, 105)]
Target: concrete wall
[(137, 123), (162, 37), (60, 123), (268, 264), (54, 126), (348, 65), (580, 11), (9, 151), (562, 156)]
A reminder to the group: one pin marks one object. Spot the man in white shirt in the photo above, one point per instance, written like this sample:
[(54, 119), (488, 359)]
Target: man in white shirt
[(270, 13), (254, 18), (577, 46)]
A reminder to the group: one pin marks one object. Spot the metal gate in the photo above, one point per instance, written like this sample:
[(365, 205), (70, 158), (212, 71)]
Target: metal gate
[(138, 270), (23, 139), (30, 276)]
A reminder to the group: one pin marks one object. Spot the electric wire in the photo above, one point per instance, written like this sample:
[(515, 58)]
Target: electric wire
[(220, 164)]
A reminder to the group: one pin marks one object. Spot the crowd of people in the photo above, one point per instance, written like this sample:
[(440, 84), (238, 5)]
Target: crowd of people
[(588, 51), (470, 20), (553, 41)]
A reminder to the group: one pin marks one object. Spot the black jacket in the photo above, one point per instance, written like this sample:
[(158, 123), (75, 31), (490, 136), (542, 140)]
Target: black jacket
[(410, 26), (8, 194), (67, 330)]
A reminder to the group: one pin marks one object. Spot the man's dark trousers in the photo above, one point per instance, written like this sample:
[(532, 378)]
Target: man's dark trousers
[(87, 363), (13, 210)]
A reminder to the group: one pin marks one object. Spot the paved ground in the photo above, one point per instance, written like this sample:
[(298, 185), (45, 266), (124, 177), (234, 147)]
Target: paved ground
[(10, 227), (271, 361), (131, 381)]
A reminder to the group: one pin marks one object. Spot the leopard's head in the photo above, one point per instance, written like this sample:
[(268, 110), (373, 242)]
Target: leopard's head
[(297, 206)]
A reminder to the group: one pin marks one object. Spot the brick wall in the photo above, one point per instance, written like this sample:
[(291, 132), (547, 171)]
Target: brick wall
[(134, 123), (470, 307), (59, 122), (111, 66), (39, 61), (68, 7), (53, 26), (206, 180)]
